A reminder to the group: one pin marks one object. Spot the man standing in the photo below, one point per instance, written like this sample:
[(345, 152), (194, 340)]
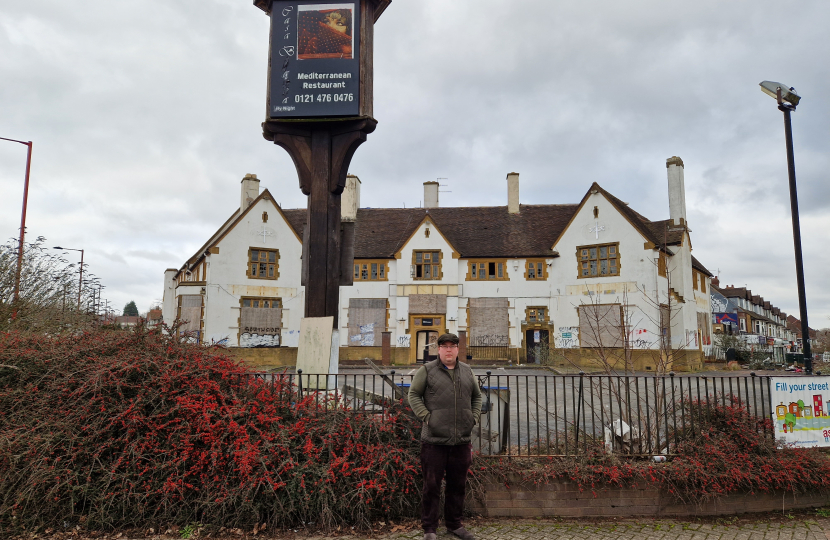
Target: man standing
[(445, 396)]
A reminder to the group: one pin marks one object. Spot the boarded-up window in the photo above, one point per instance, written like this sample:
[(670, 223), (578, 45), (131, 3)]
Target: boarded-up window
[(427, 304), (261, 316), (190, 310), (600, 325), (367, 320), (260, 320), (703, 327), (665, 326), (488, 321)]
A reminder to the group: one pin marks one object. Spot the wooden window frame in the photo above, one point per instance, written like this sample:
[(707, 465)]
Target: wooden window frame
[(536, 263), (276, 263), (579, 261), (700, 281), (260, 299), (382, 265), (440, 264), (545, 318), (474, 277)]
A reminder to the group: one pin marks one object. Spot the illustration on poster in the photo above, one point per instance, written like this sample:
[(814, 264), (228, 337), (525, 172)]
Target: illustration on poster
[(802, 416)]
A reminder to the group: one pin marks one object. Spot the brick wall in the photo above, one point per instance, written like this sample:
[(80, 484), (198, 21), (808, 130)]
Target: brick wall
[(272, 357), (564, 499)]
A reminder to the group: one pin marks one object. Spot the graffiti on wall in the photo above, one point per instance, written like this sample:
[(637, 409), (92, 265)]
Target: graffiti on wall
[(403, 341), (691, 338), (638, 339), (259, 340), (490, 340), (366, 337), (566, 337)]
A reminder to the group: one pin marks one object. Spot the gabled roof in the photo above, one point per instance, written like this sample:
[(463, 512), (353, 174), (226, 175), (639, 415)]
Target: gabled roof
[(478, 231), (659, 233), (231, 222), (696, 265)]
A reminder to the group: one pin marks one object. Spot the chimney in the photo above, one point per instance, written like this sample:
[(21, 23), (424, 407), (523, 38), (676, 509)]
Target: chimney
[(350, 199), (513, 193), (250, 191), (430, 194), (677, 190)]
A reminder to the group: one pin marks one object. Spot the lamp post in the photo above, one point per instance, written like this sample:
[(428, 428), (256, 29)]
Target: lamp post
[(22, 222), (787, 101), (81, 277)]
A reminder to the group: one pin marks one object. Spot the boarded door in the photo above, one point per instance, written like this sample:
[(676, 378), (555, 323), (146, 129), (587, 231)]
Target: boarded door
[(190, 310), (488, 322)]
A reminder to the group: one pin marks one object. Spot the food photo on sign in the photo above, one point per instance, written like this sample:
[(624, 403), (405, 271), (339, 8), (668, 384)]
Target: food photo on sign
[(325, 31)]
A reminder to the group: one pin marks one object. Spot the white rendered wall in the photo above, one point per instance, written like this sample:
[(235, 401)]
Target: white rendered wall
[(227, 281)]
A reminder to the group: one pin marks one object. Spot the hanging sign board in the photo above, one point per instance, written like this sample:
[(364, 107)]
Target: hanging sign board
[(315, 59), (801, 410)]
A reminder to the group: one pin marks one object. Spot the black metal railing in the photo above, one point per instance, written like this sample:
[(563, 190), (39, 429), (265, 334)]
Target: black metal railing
[(558, 415)]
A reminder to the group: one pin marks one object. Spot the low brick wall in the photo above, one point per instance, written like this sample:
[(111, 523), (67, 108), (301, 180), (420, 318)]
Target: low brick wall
[(566, 500), (641, 360)]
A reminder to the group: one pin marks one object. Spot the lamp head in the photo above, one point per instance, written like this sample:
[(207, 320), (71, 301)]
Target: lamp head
[(57, 247), (788, 93)]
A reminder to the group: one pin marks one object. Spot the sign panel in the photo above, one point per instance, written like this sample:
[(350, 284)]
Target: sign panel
[(801, 410), (721, 318), (315, 59)]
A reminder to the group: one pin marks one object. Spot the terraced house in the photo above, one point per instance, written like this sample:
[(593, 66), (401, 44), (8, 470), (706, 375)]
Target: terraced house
[(593, 282)]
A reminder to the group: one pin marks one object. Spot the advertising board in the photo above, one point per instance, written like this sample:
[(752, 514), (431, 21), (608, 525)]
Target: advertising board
[(315, 59), (801, 410)]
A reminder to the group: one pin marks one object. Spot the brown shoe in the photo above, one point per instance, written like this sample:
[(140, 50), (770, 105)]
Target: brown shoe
[(429, 536), (463, 534)]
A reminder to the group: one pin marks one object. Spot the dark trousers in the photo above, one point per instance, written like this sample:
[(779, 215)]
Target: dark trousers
[(438, 461)]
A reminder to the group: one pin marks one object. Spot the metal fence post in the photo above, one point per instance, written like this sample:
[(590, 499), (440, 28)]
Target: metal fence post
[(578, 410)]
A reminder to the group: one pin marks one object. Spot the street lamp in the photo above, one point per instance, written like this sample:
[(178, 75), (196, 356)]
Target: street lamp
[(81, 277), (787, 101), (22, 222)]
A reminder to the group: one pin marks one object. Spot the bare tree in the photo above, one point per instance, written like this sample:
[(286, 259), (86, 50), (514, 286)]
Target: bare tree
[(48, 299)]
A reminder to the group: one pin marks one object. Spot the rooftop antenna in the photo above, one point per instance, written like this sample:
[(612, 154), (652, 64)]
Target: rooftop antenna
[(440, 185)]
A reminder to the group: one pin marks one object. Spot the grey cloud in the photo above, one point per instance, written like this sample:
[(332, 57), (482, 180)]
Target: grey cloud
[(145, 117)]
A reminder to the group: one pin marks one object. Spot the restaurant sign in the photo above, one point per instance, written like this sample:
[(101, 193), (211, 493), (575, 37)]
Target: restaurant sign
[(315, 59)]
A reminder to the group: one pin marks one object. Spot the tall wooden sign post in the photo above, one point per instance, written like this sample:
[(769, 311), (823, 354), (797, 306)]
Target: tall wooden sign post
[(319, 109)]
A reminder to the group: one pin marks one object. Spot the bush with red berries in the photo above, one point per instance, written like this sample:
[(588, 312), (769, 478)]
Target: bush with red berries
[(140, 429), (124, 429), (725, 450)]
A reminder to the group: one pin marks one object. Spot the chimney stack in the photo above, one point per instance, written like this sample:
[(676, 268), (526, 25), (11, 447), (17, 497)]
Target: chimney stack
[(350, 199), (677, 190), (430, 194), (513, 193), (250, 191)]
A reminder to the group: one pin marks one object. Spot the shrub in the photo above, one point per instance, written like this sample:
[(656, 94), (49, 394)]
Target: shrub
[(732, 451), (123, 429), (729, 451)]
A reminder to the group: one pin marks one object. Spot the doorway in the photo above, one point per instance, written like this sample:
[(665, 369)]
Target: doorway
[(536, 343), (426, 346)]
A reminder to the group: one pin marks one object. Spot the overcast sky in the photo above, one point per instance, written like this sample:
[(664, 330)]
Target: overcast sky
[(146, 115)]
